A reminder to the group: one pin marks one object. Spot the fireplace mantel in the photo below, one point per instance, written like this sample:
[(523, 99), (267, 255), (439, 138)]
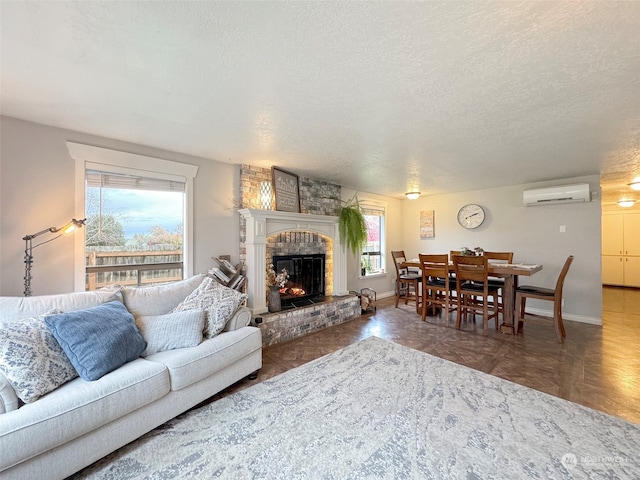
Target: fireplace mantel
[(263, 223)]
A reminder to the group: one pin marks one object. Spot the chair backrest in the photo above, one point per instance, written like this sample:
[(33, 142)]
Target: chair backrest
[(506, 257), (563, 274), (434, 265), (471, 267), (398, 258), (452, 253)]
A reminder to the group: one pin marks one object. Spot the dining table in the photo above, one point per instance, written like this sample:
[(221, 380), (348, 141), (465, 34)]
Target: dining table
[(510, 272)]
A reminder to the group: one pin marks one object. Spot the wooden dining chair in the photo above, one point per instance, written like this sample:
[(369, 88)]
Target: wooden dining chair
[(407, 283), (540, 293), (472, 282), (499, 257), (437, 286)]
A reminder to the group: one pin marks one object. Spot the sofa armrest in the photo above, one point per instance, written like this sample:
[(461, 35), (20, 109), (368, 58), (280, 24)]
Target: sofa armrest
[(240, 319), (8, 398)]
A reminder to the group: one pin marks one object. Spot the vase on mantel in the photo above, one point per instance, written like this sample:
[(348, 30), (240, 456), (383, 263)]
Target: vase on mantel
[(274, 299)]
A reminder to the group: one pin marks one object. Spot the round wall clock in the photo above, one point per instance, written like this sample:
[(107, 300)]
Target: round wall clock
[(471, 216)]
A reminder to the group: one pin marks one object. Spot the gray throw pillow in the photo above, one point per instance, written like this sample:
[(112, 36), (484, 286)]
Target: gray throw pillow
[(31, 358), (99, 339), (172, 330), (218, 302)]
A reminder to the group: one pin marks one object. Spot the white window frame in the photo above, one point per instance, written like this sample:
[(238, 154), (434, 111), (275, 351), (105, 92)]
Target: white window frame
[(376, 205), (97, 158)]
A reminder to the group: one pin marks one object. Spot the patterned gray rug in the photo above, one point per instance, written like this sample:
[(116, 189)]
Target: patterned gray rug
[(377, 410)]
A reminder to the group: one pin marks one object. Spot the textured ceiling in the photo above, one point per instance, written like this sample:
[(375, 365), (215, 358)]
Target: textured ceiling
[(384, 97)]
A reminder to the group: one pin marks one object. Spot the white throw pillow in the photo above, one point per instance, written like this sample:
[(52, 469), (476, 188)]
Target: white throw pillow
[(172, 330), (218, 302), (32, 359), (158, 299)]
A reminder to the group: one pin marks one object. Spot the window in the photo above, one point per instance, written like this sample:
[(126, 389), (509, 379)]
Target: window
[(372, 258), (139, 226), (134, 232)]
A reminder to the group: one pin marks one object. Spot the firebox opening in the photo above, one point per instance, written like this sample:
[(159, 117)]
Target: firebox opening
[(306, 278)]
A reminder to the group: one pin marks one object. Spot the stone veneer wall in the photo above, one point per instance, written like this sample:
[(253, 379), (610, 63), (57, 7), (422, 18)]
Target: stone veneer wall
[(289, 324), (316, 197)]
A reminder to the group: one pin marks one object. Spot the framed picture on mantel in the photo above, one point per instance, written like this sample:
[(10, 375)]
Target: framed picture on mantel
[(287, 190)]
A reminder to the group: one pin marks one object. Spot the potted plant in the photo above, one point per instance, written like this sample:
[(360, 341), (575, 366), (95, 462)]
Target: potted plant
[(351, 225)]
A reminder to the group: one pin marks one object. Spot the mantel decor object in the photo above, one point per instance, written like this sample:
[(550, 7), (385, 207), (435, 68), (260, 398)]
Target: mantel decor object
[(286, 190), (28, 248)]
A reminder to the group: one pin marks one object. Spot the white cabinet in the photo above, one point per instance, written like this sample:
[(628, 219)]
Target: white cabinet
[(631, 234), (631, 271), (621, 250), (612, 270), (612, 234)]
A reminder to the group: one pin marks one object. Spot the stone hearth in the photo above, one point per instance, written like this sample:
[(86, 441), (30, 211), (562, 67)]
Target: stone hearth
[(288, 324)]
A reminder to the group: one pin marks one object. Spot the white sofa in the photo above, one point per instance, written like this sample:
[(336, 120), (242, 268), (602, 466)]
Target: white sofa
[(81, 421)]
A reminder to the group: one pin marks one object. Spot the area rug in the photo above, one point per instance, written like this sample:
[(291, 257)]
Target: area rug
[(377, 410)]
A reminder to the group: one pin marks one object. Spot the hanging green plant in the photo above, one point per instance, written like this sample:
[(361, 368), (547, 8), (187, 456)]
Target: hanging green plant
[(352, 227)]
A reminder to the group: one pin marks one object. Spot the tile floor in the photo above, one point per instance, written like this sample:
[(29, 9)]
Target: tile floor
[(598, 367)]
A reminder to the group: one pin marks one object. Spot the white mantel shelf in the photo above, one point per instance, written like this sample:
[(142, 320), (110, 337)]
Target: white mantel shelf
[(264, 223)]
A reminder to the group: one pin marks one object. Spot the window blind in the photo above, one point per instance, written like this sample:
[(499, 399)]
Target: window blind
[(372, 211), (98, 179)]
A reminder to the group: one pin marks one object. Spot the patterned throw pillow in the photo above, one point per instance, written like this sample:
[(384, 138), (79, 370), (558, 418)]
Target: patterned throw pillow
[(172, 330), (218, 302), (32, 359)]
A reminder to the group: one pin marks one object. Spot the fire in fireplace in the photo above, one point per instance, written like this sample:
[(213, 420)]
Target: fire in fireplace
[(306, 278)]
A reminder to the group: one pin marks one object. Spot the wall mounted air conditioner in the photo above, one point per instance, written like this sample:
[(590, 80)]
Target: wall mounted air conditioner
[(560, 194)]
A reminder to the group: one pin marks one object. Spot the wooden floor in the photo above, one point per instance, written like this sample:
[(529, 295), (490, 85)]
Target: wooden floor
[(598, 367)]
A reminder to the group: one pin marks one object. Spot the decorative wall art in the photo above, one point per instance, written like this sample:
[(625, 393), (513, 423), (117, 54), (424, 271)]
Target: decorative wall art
[(287, 190), (427, 227)]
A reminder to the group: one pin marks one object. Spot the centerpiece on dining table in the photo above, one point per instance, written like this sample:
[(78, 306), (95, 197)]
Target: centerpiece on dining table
[(478, 251)]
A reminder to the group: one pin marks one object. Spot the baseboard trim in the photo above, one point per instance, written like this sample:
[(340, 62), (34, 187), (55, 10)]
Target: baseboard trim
[(386, 294), (566, 316), (572, 317)]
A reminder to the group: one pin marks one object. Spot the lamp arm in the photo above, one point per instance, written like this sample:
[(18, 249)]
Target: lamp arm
[(34, 235), (28, 248)]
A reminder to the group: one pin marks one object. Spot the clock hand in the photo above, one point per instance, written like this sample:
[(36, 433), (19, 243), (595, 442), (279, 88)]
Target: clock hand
[(472, 215)]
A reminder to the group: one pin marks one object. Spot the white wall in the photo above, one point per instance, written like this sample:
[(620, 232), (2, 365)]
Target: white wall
[(382, 284), (37, 192), (532, 233)]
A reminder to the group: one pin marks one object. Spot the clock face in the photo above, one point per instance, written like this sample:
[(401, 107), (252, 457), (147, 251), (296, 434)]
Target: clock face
[(471, 216)]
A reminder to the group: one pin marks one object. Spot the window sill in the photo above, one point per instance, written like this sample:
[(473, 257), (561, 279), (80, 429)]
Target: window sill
[(373, 275)]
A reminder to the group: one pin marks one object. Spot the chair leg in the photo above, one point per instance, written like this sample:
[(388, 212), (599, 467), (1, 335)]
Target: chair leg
[(520, 305), (425, 305), (398, 291), (557, 323), (460, 312), (485, 314)]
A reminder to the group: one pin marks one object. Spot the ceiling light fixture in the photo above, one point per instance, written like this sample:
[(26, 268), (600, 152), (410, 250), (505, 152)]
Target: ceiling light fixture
[(412, 195), (626, 203), (635, 185)]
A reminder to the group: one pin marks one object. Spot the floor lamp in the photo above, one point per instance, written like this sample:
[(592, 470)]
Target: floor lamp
[(28, 248)]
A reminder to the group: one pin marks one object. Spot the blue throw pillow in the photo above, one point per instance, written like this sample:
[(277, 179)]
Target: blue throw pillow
[(99, 339)]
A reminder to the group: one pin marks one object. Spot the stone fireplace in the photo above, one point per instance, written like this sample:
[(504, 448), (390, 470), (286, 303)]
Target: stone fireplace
[(263, 226)]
